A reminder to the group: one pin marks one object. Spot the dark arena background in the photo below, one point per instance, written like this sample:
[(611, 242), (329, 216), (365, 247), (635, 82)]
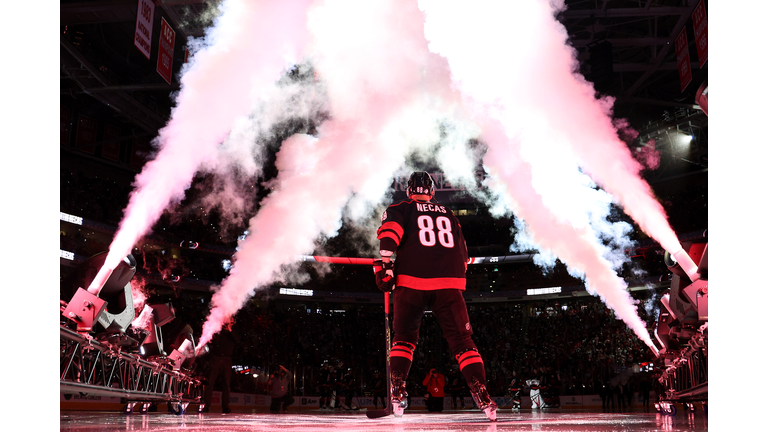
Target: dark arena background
[(130, 353)]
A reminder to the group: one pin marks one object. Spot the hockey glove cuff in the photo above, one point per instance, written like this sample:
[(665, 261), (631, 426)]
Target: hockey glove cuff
[(385, 278)]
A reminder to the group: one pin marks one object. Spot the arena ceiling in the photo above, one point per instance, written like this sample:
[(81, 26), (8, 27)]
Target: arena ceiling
[(626, 47)]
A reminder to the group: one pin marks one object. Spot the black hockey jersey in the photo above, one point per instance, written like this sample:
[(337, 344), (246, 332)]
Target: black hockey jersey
[(430, 247)]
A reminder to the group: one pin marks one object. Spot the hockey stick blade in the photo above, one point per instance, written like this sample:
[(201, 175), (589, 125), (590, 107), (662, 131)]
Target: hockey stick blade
[(374, 414)]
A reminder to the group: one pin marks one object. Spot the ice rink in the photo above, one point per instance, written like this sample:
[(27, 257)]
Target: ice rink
[(507, 420)]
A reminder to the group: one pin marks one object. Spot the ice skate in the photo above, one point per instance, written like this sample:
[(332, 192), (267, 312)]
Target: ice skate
[(483, 400), (399, 397)]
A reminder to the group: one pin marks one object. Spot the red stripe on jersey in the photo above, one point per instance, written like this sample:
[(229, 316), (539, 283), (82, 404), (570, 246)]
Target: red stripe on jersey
[(389, 234), (392, 226), (429, 284)]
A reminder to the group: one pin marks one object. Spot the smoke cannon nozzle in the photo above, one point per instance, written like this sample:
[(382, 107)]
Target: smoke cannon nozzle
[(685, 262), (101, 278), (654, 350)]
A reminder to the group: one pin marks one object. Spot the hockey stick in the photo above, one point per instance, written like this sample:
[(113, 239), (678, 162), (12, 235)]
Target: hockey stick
[(369, 261), (372, 414)]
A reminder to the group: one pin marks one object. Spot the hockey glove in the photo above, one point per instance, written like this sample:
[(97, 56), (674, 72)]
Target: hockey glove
[(385, 278)]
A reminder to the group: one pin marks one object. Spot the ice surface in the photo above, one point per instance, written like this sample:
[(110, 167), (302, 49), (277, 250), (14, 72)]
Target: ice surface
[(525, 420)]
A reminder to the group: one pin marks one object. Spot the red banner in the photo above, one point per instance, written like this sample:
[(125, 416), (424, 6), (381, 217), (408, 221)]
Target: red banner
[(111, 147), (165, 52), (86, 134), (142, 37), (65, 123), (700, 33), (683, 59)]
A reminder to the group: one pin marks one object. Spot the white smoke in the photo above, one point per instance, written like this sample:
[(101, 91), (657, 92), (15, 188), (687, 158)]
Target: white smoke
[(535, 115), (247, 50), (382, 107), (404, 83)]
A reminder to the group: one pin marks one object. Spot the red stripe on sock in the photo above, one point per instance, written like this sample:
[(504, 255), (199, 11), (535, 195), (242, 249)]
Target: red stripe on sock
[(470, 361), (401, 353)]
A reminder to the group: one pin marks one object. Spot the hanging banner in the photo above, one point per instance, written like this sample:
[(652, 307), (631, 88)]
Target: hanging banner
[(64, 125), (85, 140), (165, 51), (143, 35), (110, 149), (700, 33), (683, 59)]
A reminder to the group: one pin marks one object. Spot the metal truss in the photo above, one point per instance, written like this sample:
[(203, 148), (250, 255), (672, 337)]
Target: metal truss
[(94, 367), (686, 376)]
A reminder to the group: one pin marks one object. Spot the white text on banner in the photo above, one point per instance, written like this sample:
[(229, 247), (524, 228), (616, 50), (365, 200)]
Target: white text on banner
[(145, 15)]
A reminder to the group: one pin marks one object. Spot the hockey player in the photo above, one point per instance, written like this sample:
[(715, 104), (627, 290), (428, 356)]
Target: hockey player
[(513, 391), (379, 390), (430, 271), (324, 382), (348, 390), (535, 385), (456, 386), (333, 383), (554, 384)]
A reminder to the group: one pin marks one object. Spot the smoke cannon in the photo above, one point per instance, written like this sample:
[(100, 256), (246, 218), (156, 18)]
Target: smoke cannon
[(110, 305), (682, 260), (682, 327)]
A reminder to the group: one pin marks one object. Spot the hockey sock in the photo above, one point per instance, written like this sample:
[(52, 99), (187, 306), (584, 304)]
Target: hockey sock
[(472, 366), (400, 358)]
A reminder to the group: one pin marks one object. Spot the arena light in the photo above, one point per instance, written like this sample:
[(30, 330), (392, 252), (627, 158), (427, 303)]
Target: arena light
[(77, 220), (540, 291), (297, 292)]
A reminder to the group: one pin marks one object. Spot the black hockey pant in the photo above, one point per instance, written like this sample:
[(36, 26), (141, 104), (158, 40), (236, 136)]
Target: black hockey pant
[(449, 309)]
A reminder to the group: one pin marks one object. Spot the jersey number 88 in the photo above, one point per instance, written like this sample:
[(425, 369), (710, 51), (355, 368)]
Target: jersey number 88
[(427, 231)]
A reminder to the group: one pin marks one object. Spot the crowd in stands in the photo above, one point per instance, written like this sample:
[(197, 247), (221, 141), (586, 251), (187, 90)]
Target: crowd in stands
[(582, 342)]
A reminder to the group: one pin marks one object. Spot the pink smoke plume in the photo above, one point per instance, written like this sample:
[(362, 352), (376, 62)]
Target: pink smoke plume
[(574, 246), (139, 293), (390, 78), (247, 50), (372, 79), (537, 104), (648, 155)]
